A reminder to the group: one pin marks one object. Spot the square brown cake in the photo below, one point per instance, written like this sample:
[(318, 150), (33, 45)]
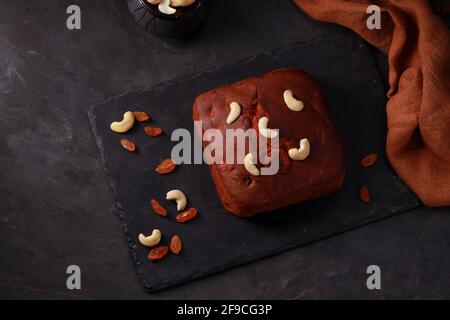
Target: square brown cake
[(291, 101)]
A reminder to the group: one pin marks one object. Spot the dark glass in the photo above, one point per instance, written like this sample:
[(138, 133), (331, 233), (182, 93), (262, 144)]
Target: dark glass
[(185, 21)]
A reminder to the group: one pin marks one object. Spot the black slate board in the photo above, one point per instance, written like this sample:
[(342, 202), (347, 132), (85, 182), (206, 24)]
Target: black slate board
[(216, 240)]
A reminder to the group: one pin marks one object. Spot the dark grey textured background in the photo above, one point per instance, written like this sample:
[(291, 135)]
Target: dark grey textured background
[(56, 208)]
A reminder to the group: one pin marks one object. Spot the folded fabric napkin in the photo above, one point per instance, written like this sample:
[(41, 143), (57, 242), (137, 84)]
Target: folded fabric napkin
[(417, 42)]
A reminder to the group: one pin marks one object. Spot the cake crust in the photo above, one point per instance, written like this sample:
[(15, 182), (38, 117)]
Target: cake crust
[(296, 181)]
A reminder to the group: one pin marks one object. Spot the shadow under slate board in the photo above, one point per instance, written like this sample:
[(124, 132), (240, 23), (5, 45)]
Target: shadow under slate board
[(217, 240)]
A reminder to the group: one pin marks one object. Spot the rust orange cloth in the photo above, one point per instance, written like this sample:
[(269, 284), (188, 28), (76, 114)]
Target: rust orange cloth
[(417, 43)]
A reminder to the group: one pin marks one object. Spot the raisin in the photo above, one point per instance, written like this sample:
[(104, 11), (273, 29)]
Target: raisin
[(128, 145), (176, 244), (187, 215), (166, 166), (153, 131), (158, 253), (369, 160), (141, 116), (364, 195), (158, 208)]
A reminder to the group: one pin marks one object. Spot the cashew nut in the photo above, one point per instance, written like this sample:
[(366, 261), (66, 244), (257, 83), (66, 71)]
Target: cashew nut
[(179, 198), (152, 240), (268, 133), (164, 7), (154, 1), (291, 102), (124, 125), (301, 153), (181, 3), (249, 165), (235, 111)]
